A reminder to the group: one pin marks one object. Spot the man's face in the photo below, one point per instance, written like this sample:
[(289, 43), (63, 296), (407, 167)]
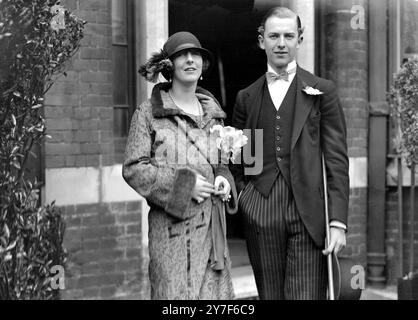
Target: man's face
[(280, 41)]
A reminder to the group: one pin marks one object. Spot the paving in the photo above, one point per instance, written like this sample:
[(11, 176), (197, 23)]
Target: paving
[(245, 288)]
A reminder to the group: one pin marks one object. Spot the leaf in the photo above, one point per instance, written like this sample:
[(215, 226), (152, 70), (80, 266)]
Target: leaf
[(3, 241), (6, 231), (10, 247), (15, 149), (16, 164)]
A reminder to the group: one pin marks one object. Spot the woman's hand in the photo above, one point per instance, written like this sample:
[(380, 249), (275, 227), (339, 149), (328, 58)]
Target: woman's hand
[(202, 189), (222, 188)]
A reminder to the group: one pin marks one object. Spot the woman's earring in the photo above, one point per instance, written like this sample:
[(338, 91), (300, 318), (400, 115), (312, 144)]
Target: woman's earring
[(201, 77)]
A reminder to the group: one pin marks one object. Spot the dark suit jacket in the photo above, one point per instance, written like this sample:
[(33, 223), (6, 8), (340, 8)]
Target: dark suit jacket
[(318, 126)]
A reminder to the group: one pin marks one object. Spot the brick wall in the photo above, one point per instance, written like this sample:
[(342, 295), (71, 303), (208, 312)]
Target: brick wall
[(104, 246), (79, 110), (345, 61), (103, 238), (392, 232), (357, 222), (410, 26)]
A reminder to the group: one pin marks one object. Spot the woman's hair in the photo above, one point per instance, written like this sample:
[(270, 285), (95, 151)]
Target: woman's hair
[(280, 12), (161, 63)]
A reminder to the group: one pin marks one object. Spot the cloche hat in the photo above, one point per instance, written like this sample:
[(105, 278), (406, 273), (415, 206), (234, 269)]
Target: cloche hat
[(162, 61)]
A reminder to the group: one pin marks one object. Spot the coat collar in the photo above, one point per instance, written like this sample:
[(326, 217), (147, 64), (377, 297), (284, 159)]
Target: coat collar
[(163, 106)]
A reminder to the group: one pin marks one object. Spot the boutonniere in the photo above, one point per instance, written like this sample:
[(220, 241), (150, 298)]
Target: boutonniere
[(312, 91)]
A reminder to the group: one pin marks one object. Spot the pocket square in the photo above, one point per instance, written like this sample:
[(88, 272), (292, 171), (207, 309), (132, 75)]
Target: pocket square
[(312, 91)]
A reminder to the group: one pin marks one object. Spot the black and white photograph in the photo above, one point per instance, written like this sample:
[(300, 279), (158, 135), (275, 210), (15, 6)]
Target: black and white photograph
[(232, 151)]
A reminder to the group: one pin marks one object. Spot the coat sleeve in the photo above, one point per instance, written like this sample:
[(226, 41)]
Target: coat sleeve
[(165, 186), (334, 145), (239, 117)]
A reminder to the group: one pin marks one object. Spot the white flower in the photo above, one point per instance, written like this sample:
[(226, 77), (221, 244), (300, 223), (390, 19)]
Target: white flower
[(312, 91), (229, 140)]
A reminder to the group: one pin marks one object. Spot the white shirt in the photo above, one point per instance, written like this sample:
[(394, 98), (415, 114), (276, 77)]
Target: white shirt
[(278, 88)]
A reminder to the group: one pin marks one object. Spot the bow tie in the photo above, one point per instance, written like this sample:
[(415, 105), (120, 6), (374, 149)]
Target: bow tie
[(284, 75)]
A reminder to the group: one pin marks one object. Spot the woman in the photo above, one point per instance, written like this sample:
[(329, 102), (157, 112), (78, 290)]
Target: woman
[(168, 161)]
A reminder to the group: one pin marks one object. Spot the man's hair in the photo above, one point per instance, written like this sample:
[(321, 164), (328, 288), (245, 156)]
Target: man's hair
[(280, 12)]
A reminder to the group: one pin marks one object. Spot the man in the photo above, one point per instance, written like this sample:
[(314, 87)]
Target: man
[(283, 206)]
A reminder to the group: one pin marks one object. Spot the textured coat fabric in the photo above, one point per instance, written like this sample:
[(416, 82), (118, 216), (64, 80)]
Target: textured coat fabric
[(161, 164), (318, 126)]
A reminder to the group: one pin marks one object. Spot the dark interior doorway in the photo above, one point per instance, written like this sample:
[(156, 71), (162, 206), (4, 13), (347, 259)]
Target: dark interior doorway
[(228, 29)]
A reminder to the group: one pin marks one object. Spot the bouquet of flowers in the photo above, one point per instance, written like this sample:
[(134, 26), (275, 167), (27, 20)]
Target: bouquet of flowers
[(229, 141)]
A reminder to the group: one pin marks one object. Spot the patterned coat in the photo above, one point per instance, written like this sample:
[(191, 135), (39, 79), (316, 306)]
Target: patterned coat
[(161, 165)]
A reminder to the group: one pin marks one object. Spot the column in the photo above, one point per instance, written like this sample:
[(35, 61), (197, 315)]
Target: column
[(151, 34), (344, 60), (379, 111), (306, 11)]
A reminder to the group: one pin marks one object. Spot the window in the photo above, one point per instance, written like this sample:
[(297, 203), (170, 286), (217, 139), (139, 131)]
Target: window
[(123, 68)]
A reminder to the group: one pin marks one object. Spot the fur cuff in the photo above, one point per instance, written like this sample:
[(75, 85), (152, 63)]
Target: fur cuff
[(181, 194)]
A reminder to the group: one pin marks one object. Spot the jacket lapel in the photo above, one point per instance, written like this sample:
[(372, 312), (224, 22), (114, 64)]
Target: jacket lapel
[(304, 102), (255, 95)]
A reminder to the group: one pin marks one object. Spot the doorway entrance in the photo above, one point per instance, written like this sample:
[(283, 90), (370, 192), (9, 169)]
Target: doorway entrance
[(228, 29)]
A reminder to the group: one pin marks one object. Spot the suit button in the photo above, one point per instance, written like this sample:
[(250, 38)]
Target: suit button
[(279, 159), (278, 127), (278, 149), (278, 117), (278, 138)]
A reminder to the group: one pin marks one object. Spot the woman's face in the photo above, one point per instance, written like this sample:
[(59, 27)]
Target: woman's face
[(187, 66)]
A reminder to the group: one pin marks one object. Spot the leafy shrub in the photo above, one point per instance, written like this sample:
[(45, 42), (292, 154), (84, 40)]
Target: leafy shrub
[(403, 100), (34, 47)]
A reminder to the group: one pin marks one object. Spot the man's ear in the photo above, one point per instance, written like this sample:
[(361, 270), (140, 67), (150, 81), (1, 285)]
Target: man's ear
[(261, 41), (300, 37)]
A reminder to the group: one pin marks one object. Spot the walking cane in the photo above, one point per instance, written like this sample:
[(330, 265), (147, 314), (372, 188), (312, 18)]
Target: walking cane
[(327, 233)]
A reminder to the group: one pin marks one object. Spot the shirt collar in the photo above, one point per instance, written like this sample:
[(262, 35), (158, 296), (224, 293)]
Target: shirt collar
[(290, 66)]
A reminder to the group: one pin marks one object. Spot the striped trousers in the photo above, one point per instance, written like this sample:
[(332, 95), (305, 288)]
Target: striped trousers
[(286, 262)]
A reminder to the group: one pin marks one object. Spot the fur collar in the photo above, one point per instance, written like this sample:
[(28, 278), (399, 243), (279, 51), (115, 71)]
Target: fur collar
[(163, 106)]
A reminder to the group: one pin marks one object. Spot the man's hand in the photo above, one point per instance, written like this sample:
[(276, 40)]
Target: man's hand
[(222, 188), (337, 242)]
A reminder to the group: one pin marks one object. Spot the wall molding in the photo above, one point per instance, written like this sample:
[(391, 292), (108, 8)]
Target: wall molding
[(73, 186)]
